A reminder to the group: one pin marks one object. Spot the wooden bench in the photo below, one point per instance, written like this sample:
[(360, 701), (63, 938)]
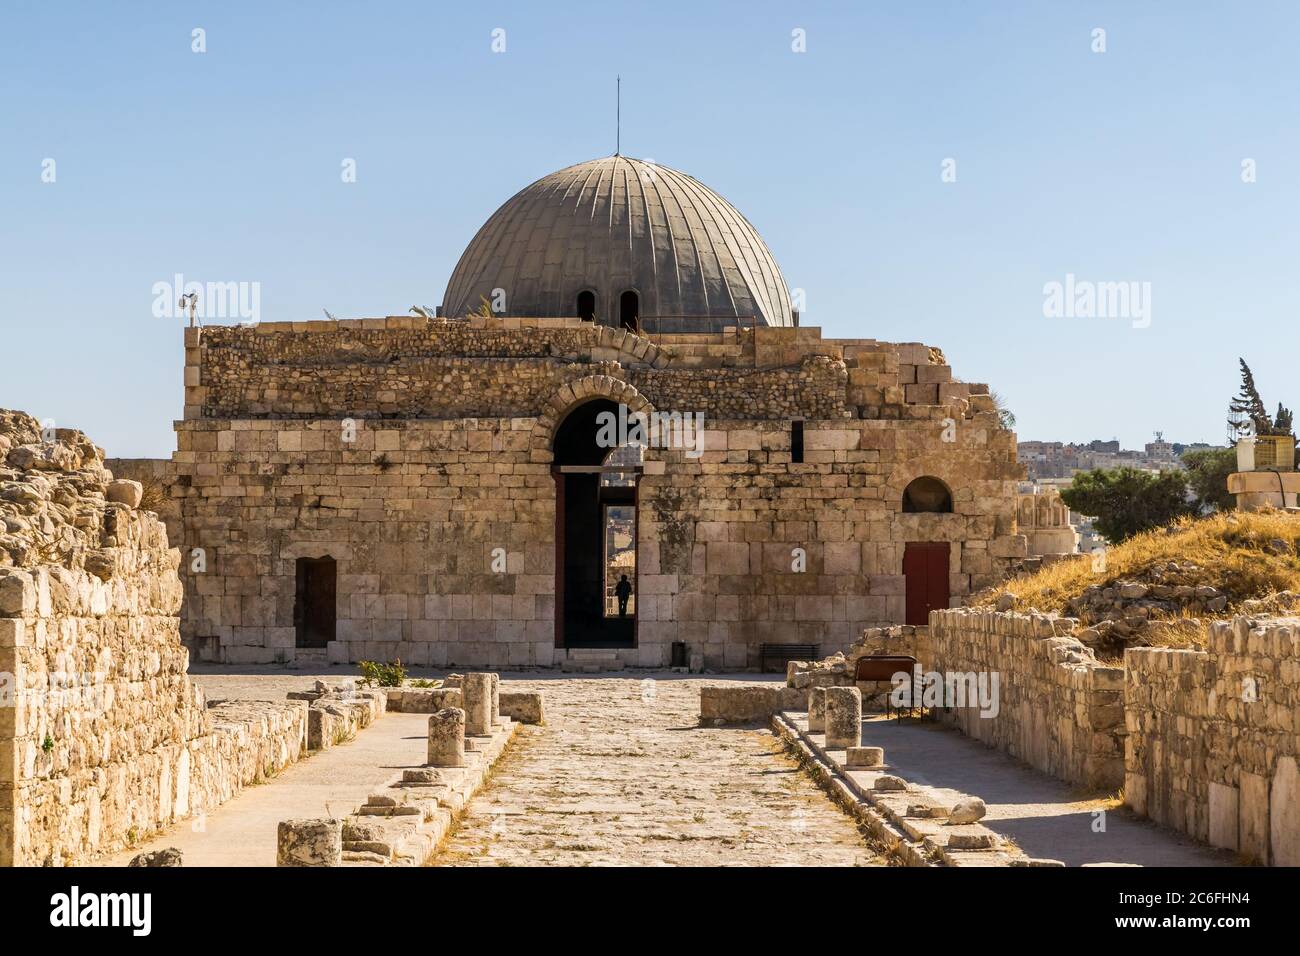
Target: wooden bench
[(883, 667), (786, 652)]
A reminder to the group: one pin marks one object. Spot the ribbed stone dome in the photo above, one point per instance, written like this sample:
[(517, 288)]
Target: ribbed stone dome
[(614, 226)]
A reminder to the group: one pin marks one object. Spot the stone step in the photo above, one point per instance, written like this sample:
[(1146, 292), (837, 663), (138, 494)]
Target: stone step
[(592, 653), (590, 667)]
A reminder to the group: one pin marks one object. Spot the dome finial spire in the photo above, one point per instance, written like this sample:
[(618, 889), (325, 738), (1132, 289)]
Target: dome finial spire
[(618, 115)]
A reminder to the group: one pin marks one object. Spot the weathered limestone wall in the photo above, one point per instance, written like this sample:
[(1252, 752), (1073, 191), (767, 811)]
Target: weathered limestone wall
[(1058, 709), (451, 461), (719, 533), (413, 511), (1214, 738), (102, 736)]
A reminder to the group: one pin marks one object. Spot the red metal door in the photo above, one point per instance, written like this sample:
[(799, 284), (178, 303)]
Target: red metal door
[(925, 568)]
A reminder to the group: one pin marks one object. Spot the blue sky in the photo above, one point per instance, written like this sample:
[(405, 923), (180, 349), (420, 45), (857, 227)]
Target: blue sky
[(225, 166)]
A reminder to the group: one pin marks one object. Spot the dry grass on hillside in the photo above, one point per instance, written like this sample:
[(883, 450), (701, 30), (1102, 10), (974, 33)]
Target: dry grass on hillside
[(1247, 555)]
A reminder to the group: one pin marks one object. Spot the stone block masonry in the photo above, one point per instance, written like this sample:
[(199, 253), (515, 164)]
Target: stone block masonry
[(1055, 707), (908, 819), (521, 706), (1213, 745), (747, 703), (417, 456), (403, 823), (103, 739)]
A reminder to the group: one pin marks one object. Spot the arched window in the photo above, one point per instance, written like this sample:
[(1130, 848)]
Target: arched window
[(927, 494), (587, 305), (629, 311)]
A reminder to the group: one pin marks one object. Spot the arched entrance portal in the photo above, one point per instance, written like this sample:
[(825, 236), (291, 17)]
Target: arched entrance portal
[(595, 529)]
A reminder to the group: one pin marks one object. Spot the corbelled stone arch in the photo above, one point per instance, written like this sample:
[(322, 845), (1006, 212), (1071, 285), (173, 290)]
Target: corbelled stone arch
[(574, 394)]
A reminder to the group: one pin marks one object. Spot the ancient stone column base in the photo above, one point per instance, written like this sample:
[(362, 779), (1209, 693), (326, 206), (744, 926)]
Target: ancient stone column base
[(476, 694), (816, 710), (447, 738), (314, 842), (860, 757), (843, 718)]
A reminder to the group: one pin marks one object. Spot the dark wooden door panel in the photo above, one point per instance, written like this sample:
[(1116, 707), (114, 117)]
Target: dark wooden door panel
[(925, 569)]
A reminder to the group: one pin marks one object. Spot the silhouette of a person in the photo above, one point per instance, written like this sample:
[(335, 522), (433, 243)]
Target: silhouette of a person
[(623, 591)]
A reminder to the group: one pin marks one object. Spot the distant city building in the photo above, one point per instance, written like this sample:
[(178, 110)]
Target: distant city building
[(1054, 459)]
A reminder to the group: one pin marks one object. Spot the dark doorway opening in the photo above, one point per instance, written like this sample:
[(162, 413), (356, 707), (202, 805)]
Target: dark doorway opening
[(595, 532), (314, 601), (796, 441), (925, 570), (587, 306), (629, 311)]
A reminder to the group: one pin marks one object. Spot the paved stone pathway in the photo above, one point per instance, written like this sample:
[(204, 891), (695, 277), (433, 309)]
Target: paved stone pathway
[(622, 775), (1044, 816)]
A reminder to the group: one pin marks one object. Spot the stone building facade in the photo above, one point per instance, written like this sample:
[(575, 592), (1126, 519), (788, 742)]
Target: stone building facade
[(418, 457), (439, 488)]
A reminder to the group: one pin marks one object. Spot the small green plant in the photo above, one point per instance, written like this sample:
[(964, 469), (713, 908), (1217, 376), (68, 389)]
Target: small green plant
[(383, 675), (47, 744), (425, 682)]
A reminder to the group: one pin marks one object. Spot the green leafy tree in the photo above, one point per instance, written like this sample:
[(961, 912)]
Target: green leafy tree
[(1282, 422), (1207, 474), (1125, 501)]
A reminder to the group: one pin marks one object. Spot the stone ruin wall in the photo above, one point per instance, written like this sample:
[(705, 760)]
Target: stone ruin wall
[(412, 512), (1060, 710), (1214, 738), (102, 737), (452, 460), (508, 367), (1205, 742)]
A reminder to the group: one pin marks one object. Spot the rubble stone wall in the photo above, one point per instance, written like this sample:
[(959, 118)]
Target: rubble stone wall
[(507, 367), (1214, 738), (102, 737), (1058, 709)]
